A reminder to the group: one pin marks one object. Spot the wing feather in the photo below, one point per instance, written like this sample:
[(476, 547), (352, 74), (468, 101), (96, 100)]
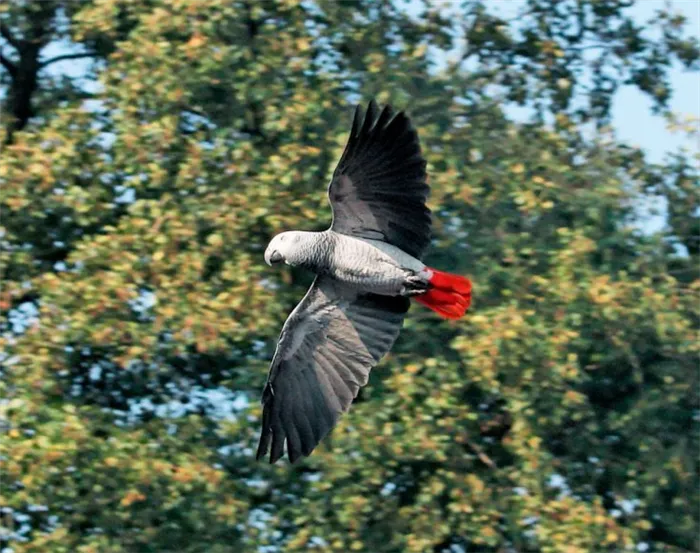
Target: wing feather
[(378, 190), (327, 347)]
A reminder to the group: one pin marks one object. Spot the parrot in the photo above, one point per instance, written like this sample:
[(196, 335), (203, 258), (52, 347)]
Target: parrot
[(367, 268)]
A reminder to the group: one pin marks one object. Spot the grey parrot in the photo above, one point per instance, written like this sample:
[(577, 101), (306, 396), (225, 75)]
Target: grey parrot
[(367, 266)]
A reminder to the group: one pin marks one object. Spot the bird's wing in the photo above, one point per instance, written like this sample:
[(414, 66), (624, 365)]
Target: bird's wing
[(326, 350), (379, 189)]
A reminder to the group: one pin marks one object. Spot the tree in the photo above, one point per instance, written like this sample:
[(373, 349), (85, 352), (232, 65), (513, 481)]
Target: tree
[(139, 317)]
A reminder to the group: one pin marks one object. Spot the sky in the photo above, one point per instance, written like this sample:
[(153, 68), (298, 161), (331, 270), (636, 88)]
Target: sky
[(631, 114), (632, 117)]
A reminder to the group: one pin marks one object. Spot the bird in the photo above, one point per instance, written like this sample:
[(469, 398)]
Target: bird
[(368, 267)]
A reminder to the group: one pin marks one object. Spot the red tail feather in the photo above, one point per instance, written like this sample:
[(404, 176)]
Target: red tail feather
[(449, 295)]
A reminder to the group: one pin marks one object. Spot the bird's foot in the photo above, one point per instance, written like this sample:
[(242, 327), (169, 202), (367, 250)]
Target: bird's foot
[(414, 285)]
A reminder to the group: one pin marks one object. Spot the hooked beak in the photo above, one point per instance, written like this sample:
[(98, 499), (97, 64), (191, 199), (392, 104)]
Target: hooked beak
[(273, 257)]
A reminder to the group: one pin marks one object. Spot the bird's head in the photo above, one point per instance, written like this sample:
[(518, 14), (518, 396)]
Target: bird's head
[(283, 247)]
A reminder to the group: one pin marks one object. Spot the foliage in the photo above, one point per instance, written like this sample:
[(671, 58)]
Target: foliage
[(138, 316)]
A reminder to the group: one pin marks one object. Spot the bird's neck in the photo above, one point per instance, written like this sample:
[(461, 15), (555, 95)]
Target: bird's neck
[(313, 251)]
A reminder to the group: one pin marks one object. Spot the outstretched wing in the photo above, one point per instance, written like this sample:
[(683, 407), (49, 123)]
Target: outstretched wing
[(326, 350), (379, 189)]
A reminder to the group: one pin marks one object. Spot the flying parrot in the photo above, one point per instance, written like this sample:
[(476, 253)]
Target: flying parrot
[(367, 266)]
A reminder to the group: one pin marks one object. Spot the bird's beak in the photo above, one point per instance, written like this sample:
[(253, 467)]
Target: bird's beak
[(273, 257)]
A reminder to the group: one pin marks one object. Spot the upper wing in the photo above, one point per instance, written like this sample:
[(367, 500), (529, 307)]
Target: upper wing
[(327, 347), (379, 189)]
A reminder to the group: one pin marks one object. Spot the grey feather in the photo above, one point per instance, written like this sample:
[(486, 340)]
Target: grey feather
[(327, 347)]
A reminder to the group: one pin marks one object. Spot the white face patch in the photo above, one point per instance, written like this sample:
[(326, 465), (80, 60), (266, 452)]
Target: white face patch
[(285, 244)]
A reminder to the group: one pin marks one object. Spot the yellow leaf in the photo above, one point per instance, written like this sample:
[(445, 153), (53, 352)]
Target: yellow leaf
[(420, 51), (196, 40), (215, 240), (132, 496)]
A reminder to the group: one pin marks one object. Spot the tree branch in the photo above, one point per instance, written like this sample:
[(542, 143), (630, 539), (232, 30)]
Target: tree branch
[(63, 57), (481, 455), (7, 35), (7, 64)]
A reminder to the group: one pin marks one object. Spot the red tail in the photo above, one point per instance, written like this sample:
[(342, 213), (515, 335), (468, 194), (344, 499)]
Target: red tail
[(449, 295)]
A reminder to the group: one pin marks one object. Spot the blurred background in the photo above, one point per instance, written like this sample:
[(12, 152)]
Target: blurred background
[(151, 148)]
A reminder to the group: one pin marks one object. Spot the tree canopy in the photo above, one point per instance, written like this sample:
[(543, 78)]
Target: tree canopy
[(137, 315)]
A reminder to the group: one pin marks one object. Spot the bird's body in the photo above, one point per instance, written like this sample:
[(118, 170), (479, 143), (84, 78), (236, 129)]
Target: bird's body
[(368, 264), (361, 263)]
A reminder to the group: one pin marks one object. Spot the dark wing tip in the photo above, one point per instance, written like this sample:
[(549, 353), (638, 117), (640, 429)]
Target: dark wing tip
[(271, 435), (370, 118), (372, 109), (357, 119), (264, 445), (371, 125), (275, 458), (364, 122), (375, 120), (266, 433), (294, 416)]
